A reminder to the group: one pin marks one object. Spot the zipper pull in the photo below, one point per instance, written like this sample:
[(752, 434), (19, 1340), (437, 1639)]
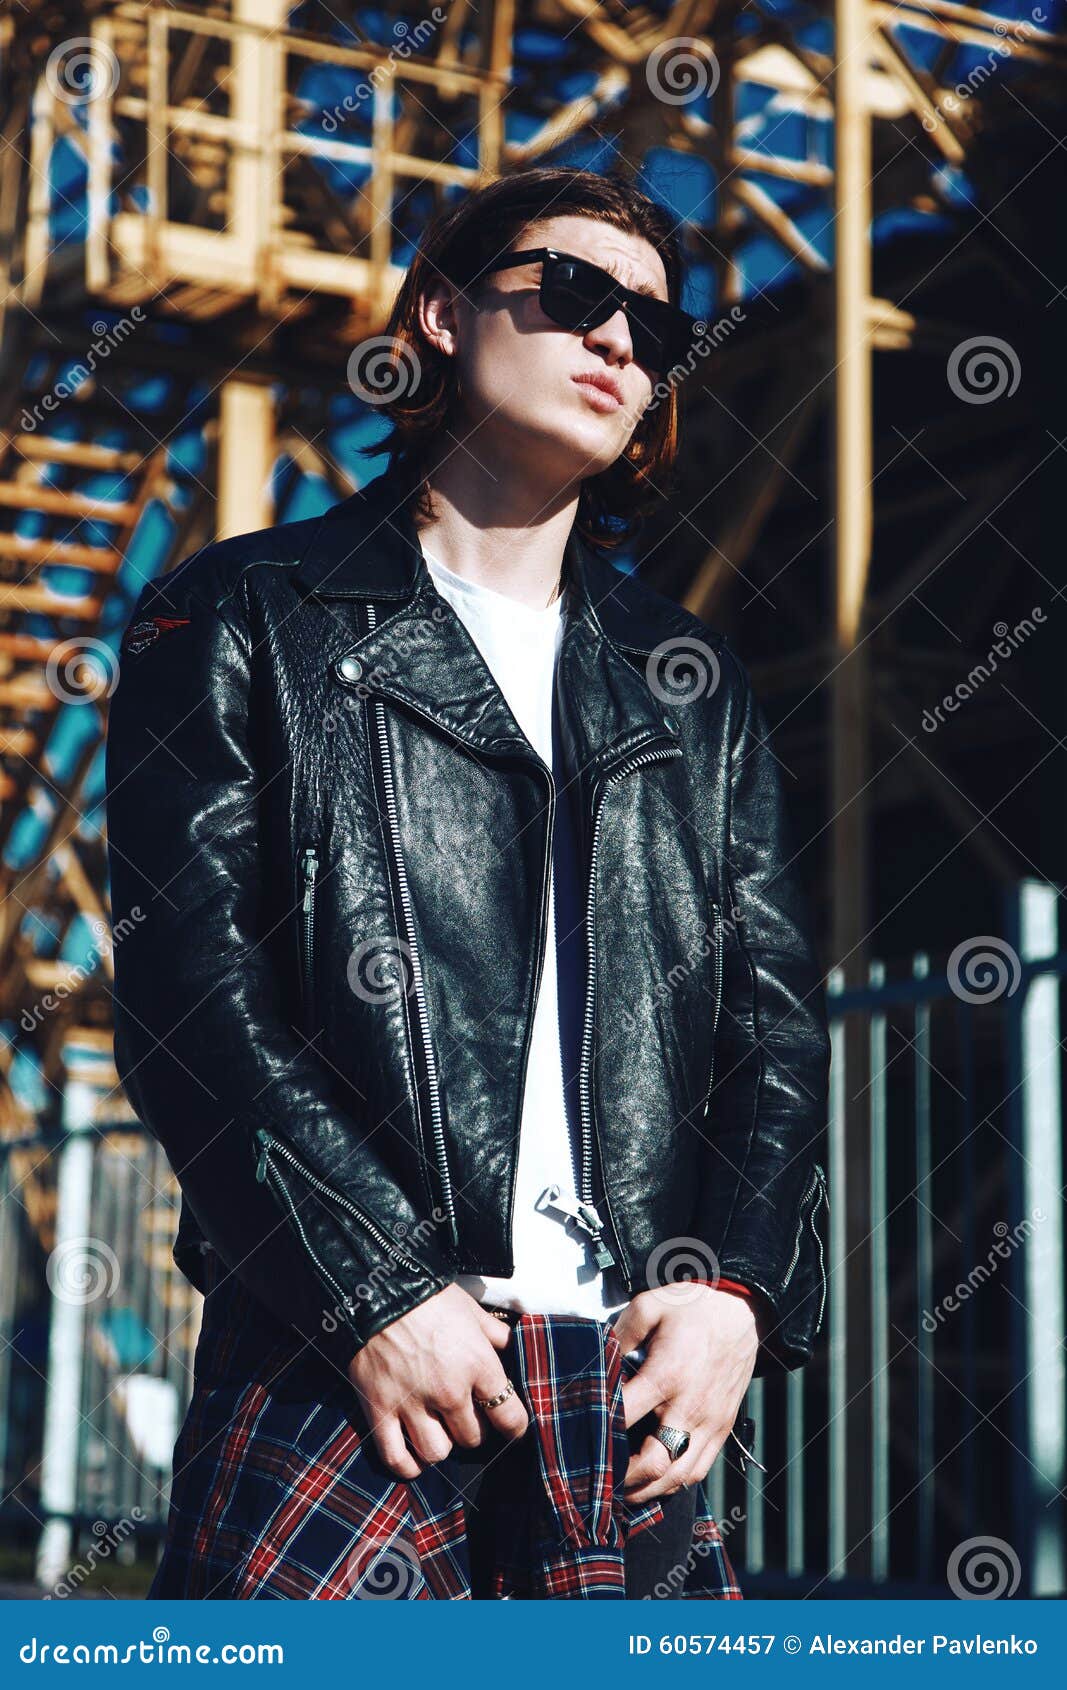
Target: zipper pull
[(265, 1142), (311, 864), (585, 1216), (601, 1254), (749, 1429)]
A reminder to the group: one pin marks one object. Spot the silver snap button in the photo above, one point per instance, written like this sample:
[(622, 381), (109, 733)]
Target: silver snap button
[(351, 668)]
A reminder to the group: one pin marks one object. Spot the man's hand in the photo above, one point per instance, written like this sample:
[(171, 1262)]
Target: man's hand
[(420, 1374), (702, 1347)]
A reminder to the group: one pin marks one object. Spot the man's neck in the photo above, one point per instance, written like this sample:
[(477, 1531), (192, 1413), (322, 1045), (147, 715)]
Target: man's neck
[(498, 531)]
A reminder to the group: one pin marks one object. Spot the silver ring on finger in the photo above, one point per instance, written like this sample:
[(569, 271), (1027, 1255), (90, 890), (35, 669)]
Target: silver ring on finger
[(501, 1396), (675, 1441)]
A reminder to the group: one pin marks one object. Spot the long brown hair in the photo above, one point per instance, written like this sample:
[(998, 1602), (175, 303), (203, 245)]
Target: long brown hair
[(459, 244)]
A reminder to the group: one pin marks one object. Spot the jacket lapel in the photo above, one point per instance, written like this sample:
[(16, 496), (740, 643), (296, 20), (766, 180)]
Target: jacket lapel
[(420, 653)]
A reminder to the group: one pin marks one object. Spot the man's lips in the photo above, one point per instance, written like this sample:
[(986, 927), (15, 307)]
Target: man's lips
[(602, 397)]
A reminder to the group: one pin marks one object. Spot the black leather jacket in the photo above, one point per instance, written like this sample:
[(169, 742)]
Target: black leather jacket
[(328, 844)]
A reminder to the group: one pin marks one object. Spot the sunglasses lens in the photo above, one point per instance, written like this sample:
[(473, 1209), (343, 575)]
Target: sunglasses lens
[(578, 295), (660, 330)]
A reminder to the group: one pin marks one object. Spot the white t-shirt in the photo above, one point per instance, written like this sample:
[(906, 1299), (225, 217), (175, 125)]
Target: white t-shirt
[(555, 1272)]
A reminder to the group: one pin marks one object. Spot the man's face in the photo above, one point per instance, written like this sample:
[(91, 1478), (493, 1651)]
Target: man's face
[(521, 374)]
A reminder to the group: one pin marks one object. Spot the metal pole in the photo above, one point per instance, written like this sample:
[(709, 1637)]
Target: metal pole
[(851, 719), (1040, 1230), (246, 458), (69, 1262)]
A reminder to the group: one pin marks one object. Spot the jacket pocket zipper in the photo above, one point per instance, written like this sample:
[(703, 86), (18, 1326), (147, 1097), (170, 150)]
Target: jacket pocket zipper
[(271, 1148), (717, 1000), (309, 865), (418, 983), (817, 1189), (822, 1198)]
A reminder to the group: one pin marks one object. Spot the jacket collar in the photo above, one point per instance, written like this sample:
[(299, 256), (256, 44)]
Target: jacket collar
[(420, 653)]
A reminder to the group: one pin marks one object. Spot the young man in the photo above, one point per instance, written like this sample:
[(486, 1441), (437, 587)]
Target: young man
[(470, 992)]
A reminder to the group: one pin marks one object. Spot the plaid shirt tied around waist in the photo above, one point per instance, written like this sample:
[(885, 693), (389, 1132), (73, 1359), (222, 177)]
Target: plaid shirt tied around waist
[(279, 1492)]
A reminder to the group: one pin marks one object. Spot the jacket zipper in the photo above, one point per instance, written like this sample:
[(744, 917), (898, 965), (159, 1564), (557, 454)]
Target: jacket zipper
[(815, 1184), (822, 1258), (717, 1003), (437, 1124), (271, 1147), (539, 961), (589, 1218), (309, 869)]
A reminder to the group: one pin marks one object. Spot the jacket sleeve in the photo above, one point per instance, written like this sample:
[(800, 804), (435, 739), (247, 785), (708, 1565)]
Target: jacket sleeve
[(204, 1046), (763, 1204)]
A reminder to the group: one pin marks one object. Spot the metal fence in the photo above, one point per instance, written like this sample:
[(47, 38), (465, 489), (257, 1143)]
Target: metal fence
[(97, 1334), (922, 1450)]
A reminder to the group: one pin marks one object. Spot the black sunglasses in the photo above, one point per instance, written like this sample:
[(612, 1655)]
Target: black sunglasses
[(580, 295)]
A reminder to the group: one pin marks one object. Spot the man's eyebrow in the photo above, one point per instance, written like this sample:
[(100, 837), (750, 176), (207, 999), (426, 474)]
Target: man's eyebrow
[(648, 288)]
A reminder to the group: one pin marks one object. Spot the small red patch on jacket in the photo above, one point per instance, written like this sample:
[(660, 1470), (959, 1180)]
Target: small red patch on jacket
[(140, 635)]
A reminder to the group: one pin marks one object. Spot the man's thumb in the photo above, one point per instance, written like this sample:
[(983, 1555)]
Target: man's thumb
[(632, 1328)]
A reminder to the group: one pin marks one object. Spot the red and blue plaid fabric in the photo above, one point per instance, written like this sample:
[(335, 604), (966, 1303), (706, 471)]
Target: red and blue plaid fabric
[(278, 1490)]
